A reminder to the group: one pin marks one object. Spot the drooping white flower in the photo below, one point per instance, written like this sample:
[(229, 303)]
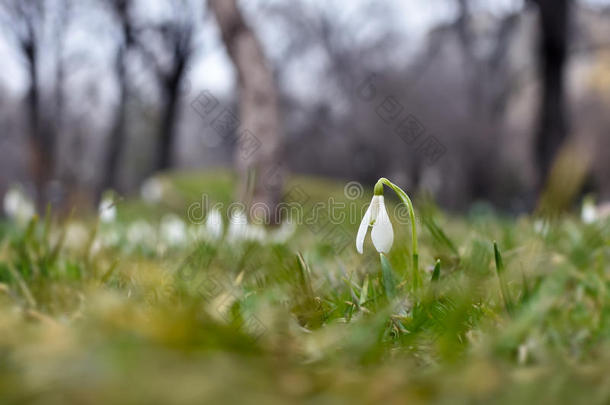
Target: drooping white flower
[(107, 210), (213, 224), (18, 206), (382, 234)]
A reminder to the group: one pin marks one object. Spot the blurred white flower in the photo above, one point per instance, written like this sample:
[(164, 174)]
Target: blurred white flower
[(212, 229), (382, 234), (109, 236), (173, 230), (18, 206), (283, 233), (213, 224), (255, 233), (238, 226), (152, 190), (588, 213), (241, 230), (591, 212), (107, 210), (141, 233), (541, 227)]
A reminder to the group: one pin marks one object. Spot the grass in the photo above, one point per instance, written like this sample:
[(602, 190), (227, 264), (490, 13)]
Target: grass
[(90, 315)]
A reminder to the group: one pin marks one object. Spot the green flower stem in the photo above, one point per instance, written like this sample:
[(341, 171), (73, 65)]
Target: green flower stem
[(407, 201)]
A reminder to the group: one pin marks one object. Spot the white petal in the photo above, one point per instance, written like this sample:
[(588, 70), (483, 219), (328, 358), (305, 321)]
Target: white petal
[(376, 204), (238, 226), (213, 224), (588, 213), (152, 190), (172, 230), (107, 210), (382, 234), (364, 226)]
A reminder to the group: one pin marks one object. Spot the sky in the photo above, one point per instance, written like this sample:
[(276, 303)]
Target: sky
[(213, 71), (219, 74), (417, 19)]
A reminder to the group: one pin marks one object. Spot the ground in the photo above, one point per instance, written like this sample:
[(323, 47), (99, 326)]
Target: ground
[(142, 309)]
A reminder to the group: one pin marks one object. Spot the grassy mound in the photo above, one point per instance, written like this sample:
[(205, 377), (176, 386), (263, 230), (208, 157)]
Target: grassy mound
[(148, 308)]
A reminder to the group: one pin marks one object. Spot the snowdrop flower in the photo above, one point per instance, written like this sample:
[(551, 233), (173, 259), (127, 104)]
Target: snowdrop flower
[(240, 229), (238, 226), (152, 190), (376, 217), (255, 233), (107, 210), (141, 233), (284, 232), (382, 234), (213, 224), (173, 230), (18, 206), (588, 213), (210, 231)]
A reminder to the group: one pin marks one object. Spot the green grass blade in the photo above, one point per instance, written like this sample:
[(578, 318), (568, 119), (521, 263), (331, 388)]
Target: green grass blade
[(439, 235), (501, 277), (387, 273), (436, 273)]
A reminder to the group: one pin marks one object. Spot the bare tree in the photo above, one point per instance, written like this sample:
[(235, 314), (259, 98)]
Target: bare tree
[(61, 28), (175, 36), (179, 39), (26, 19), (258, 103), (553, 49), (112, 154)]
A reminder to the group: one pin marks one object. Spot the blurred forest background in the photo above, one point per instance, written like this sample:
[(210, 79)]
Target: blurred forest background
[(466, 100)]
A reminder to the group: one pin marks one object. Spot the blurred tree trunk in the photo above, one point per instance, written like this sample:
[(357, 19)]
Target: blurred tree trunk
[(114, 147), (170, 90), (177, 38), (64, 170), (41, 140), (112, 158), (27, 20), (259, 142), (552, 127)]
